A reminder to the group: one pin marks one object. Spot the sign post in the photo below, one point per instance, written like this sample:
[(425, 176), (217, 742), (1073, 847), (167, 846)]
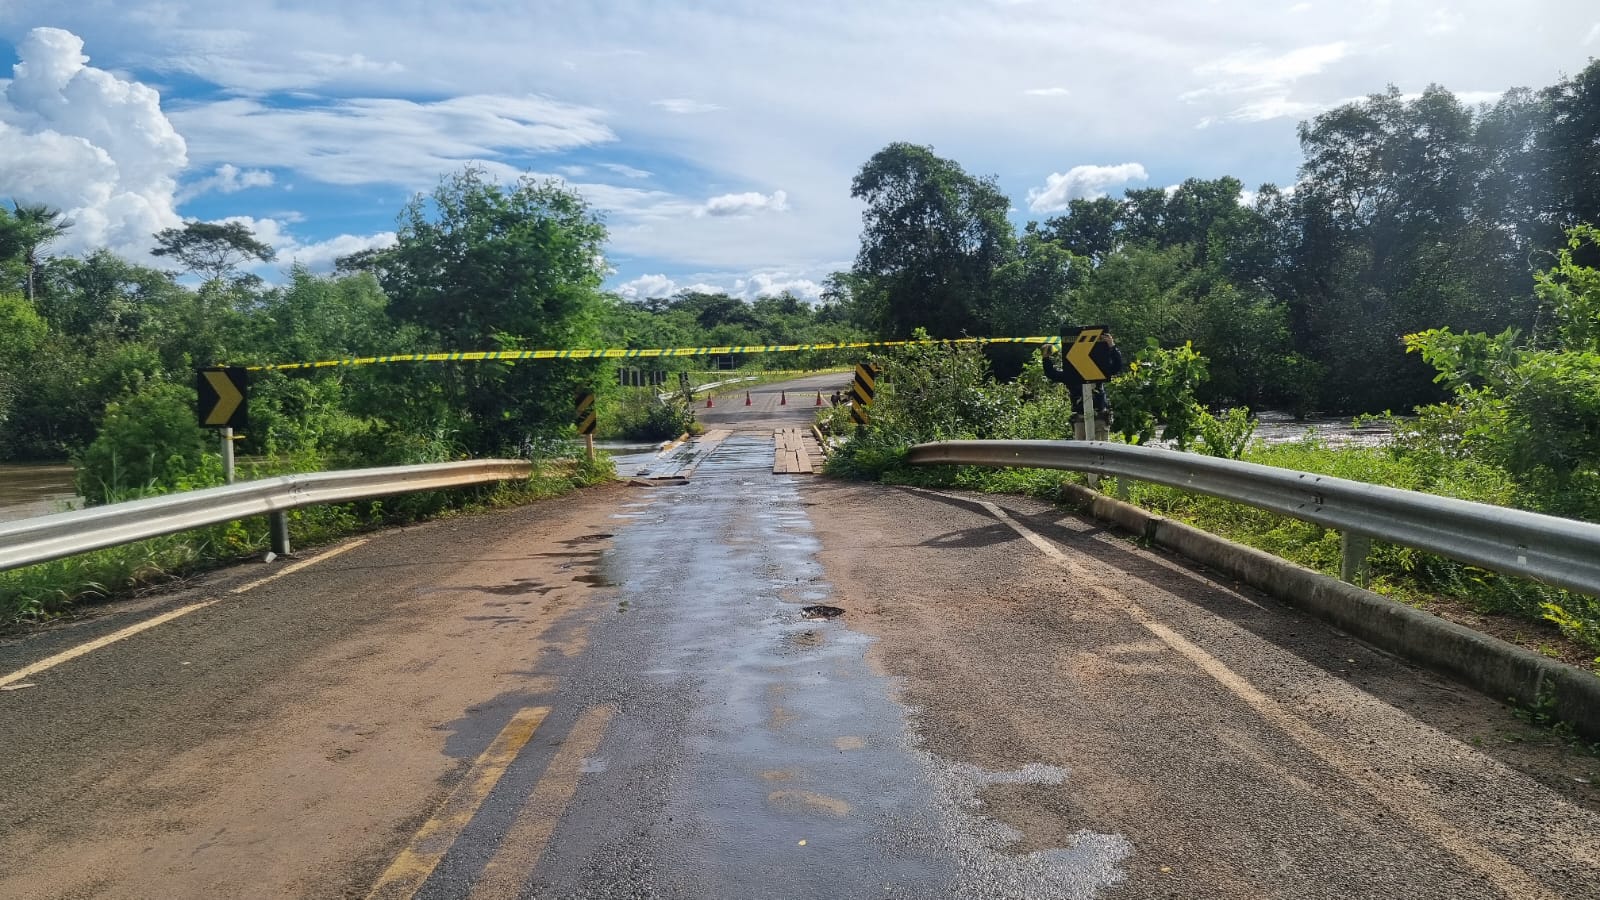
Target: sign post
[(1090, 360), (586, 421), (222, 401)]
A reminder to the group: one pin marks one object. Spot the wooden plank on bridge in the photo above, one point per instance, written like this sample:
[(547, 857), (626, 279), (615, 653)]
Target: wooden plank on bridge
[(792, 454)]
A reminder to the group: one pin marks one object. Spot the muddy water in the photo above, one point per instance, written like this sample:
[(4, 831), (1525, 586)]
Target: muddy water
[(34, 490)]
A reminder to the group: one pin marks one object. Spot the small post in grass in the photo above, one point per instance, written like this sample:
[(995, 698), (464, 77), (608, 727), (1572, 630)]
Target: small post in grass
[(1354, 566)]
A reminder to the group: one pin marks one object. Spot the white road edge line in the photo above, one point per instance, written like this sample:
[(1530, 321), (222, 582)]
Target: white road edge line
[(168, 616), (1497, 869)]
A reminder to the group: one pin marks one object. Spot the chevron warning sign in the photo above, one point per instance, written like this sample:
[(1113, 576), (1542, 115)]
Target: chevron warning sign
[(585, 405), (221, 400), (862, 391)]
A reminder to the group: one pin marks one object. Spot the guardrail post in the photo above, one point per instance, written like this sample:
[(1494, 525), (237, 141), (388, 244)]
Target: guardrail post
[(279, 522), (1353, 552)]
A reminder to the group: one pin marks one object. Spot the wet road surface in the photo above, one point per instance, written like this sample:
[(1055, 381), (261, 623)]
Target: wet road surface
[(620, 694)]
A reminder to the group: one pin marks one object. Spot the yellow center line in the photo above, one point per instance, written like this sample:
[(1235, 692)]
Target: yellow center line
[(97, 643), (433, 840), (525, 840), (147, 624), (1509, 879)]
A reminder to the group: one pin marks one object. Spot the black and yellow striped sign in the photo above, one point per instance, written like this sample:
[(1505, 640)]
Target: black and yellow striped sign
[(586, 421), (626, 353), (862, 391)]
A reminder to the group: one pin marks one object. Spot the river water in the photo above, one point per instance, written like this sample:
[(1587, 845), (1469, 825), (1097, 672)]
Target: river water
[(33, 489)]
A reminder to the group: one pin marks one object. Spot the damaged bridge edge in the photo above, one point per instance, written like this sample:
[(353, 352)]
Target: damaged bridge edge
[(1487, 664)]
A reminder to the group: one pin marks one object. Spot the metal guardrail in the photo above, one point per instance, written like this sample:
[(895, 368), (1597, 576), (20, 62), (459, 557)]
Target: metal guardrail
[(1557, 551), (43, 538)]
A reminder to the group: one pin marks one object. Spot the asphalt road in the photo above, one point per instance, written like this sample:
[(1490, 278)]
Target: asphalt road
[(619, 695)]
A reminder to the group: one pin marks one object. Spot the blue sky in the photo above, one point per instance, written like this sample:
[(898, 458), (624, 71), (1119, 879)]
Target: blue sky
[(718, 139)]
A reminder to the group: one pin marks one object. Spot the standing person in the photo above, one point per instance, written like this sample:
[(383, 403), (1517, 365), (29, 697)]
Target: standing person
[(1109, 359)]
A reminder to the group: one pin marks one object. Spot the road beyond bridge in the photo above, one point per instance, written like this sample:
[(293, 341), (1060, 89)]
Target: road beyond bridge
[(760, 685)]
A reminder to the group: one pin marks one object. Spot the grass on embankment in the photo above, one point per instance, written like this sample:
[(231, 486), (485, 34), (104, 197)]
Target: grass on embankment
[(1555, 622), (48, 590)]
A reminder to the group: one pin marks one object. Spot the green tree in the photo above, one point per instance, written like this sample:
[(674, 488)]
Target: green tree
[(212, 250), (32, 227), (932, 240), (478, 265)]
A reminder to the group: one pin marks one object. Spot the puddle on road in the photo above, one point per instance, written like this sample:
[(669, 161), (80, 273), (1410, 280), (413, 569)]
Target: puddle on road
[(781, 764)]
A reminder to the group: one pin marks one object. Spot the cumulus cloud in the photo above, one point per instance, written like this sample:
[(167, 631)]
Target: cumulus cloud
[(375, 140), (749, 286), (319, 256), (228, 179), (683, 106), (745, 204), (90, 144), (769, 284), (1085, 182), (647, 286)]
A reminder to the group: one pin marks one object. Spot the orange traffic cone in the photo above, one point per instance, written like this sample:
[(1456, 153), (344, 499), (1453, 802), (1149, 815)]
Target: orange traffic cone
[(819, 398), (746, 398), (783, 398)]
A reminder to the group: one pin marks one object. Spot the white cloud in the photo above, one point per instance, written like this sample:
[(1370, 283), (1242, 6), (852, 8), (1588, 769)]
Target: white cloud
[(749, 286), (90, 144), (1444, 21), (684, 106), (1047, 92), (1593, 35), (371, 140), (227, 179), (624, 170), (1082, 182), (1269, 108), (319, 256), (770, 284), (647, 286), (1257, 69), (1267, 80), (745, 204)]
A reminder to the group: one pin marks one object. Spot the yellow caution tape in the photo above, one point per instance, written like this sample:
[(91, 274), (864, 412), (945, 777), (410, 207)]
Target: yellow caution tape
[(616, 353)]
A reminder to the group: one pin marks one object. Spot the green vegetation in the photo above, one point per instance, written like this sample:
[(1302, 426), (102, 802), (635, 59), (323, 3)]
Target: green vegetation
[(1401, 271), (946, 392), (97, 357), (1410, 213), (49, 589)]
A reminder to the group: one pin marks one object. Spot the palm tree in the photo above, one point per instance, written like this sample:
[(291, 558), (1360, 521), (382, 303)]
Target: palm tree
[(37, 226)]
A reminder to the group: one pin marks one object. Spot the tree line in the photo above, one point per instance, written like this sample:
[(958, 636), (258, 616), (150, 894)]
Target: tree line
[(1410, 213), (97, 353)]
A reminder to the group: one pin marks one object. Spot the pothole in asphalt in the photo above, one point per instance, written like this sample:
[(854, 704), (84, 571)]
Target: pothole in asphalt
[(820, 611)]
